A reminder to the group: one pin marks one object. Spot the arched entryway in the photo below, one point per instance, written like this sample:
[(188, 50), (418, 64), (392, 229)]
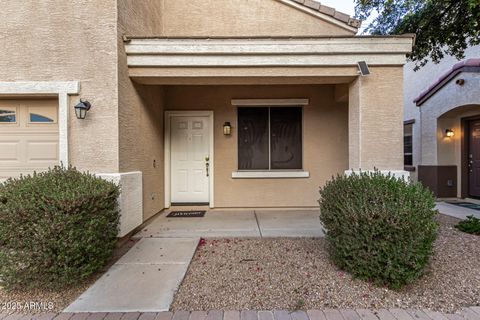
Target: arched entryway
[(458, 148)]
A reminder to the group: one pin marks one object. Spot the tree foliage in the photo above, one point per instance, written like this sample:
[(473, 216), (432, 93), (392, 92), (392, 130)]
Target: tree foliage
[(442, 27)]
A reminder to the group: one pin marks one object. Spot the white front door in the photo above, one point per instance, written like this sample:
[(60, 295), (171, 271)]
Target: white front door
[(190, 174)]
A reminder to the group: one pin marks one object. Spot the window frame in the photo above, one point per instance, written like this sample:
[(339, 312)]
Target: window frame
[(271, 173), (15, 112), (36, 110), (53, 121), (409, 167)]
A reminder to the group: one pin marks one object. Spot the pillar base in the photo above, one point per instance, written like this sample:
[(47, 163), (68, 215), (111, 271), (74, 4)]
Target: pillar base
[(130, 200)]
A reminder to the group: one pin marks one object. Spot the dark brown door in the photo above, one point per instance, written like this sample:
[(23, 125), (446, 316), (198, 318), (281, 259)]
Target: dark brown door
[(474, 159)]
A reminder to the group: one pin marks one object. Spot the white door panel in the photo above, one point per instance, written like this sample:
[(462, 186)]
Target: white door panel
[(189, 143)]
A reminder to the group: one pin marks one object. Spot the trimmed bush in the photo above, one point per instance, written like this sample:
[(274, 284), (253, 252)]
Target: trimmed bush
[(56, 228), (470, 225), (379, 228)]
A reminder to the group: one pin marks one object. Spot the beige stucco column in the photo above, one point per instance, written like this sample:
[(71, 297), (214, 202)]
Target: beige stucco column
[(376, 121)]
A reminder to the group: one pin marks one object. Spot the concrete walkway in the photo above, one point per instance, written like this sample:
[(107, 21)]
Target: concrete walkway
[(237, 223), (456, 211), (144, 279), (472, 313)]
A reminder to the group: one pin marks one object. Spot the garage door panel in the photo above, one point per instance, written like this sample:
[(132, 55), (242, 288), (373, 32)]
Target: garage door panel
[(42, 151), (31, 143), (9, 151)]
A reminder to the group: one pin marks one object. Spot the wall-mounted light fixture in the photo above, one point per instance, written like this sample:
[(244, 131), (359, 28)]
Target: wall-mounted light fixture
[(227, 128), (449, 133), (82, 108), (460, 82)]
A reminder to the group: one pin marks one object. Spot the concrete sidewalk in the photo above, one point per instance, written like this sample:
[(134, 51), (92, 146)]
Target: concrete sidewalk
[(237, 223)]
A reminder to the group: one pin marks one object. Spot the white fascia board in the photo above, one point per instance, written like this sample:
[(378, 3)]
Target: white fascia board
[(264, 61), (347, 45), (269, 52)]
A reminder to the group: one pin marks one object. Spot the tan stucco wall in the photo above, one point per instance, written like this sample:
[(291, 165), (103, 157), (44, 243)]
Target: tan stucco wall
[(189, 18), (325, 142), (140, 108), (376, 120), (52, 40)]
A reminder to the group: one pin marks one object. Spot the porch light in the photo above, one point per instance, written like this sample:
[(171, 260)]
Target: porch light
[(227, 129), (449, 133), (82, 108)]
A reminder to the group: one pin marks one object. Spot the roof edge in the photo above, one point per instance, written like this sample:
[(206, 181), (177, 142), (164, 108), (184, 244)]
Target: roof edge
[(326, 13), (127, 38), (468, 65)]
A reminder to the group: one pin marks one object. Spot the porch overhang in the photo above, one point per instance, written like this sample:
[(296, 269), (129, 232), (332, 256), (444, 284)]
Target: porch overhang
[(269, 60)]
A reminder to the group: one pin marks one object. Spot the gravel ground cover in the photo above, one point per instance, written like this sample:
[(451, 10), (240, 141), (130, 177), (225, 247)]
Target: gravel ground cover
[(50, 300), (282, 273)]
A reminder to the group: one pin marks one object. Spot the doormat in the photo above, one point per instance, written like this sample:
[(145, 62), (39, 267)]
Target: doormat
[(468, 205), (186, 214)]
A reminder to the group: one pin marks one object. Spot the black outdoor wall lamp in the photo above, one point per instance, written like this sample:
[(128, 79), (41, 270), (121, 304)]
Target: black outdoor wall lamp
[(449, 133), (82, 108), (227, 128)]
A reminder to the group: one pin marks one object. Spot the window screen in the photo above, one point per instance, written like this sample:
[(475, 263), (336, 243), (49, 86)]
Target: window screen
[(270, 138), (253, 139)]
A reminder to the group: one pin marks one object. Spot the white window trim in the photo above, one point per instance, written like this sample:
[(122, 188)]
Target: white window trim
[(270, 174), (167, 153), (269, 102), (62, 90)]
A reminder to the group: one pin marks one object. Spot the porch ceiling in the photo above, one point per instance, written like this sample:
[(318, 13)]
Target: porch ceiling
[(260, 60)]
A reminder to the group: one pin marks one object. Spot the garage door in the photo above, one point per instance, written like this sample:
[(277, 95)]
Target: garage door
[(28, 136)]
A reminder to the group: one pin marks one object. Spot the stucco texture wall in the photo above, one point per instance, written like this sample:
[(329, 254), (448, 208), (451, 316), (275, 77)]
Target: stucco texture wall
[(376, 120), (63, 41), (188, 18), (325, 142), (140, 108), (417, 81), (445, 110)]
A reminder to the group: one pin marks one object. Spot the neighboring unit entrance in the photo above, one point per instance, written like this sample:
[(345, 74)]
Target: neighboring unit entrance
[(474, 159), (190, 163), (28, 136)]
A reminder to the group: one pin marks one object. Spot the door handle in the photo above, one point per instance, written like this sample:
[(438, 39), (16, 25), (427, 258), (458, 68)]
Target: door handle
[(207, 165)]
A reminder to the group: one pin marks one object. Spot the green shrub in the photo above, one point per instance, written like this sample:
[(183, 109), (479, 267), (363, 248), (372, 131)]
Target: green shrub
[(56, 228), (379, 228), (470, 225)]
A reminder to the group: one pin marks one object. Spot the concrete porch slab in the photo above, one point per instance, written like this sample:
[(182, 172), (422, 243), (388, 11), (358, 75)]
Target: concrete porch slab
[(221, 223), (237, 223), (290, 223), (144, 280)]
